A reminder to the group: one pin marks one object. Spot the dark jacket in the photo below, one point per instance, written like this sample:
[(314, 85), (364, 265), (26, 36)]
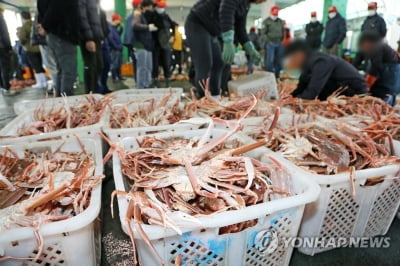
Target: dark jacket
[(114, 39), (91, 26), (335, 31), (272, 31), (323, 74), (255, 39), (60, 18), (381, 55), (143, 37), (36, 38), (375, 24), (314, 34), (218, 16), (128, 37), (165, 27), (5, 42)]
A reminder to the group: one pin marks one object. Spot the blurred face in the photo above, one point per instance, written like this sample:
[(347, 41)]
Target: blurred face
[(367, 46), (295, 61)]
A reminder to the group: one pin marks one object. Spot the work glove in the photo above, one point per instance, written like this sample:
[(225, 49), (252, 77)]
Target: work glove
[(152, 28), (252, 52), (370, 81), (228, 52)]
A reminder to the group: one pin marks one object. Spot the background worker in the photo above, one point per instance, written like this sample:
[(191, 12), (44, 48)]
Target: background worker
[(177, 48), (92, 32), (255, 39), (162, 42), (272, 34), (322, 74), (335, 31), (143, 44), (383, 73), (374, 22), (314, 31), (5, 56), (32, 51), (207, 21), (116, 47)]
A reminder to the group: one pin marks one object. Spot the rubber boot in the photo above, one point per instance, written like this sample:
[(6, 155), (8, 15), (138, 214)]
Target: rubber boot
[(167, 82), (41, 81)]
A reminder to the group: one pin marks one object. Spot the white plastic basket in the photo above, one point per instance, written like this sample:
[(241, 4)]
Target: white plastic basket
[(254, 83), (23, 106), (75, 241), (204, 246), (337, 214), (9, 132)]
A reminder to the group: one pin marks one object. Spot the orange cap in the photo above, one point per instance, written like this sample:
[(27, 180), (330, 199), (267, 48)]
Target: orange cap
[(313, 14), (116, 17), (372, 6), (275, 11), (332, 9)]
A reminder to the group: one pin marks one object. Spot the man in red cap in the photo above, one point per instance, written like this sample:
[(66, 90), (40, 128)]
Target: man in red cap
[(272, 35), (314, 31), (374, 22), (255, 39), (115, 44), (335, 31)]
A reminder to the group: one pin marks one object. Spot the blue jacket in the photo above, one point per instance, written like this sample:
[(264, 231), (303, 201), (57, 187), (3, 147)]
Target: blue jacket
[(129, 36), (114, 39), (143, 37), (335, 31)]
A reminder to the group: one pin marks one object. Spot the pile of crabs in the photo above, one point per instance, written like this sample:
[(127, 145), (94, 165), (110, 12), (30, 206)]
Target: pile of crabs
[(40, 186), (174, 179)]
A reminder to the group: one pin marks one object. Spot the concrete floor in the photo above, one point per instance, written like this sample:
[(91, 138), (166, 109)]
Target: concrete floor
[(116, 247)]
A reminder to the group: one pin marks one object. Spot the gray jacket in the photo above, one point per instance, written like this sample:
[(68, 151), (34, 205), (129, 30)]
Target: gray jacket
[(5, 42), (90, 20)]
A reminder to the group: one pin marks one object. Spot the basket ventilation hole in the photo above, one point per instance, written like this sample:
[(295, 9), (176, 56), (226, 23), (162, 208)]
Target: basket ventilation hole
[(256, 258), (51, 256), (194, 253), (340, 215), (382, 211)]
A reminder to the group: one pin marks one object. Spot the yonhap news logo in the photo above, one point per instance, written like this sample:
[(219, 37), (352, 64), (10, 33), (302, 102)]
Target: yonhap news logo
[(268, 241)]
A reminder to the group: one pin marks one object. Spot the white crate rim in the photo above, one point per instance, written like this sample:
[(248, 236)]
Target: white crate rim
[(19, 121), (26, 105)]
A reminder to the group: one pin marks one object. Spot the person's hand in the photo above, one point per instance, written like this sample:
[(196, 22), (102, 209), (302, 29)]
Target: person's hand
[(91, 46), (41, 30), (252, 52), (152, 28), (228, 51)]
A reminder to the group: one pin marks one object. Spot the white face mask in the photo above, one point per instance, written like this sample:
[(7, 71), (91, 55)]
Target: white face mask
[(160, 10), (332, 14), (371, 13), (273, 17), (314, 20)]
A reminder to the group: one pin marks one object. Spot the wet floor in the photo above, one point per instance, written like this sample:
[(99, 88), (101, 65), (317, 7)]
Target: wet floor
[(116, 247)]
